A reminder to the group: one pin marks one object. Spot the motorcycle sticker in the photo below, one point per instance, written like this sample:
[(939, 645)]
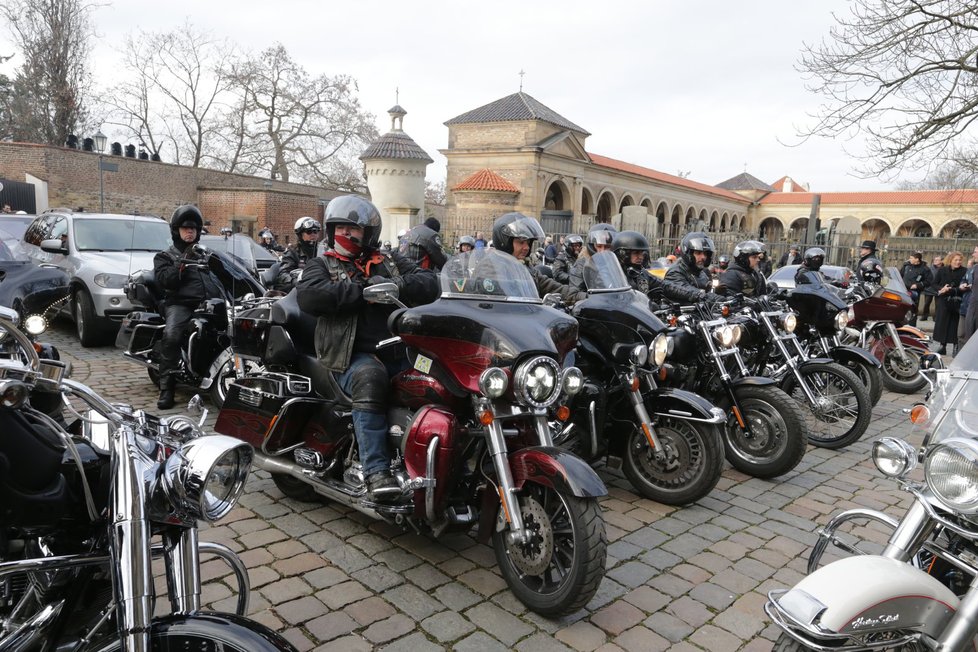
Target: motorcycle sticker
[(489, 285), (422, 364)]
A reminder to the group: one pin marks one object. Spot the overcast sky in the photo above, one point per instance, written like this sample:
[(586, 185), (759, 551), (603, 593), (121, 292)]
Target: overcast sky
[(704, 87)]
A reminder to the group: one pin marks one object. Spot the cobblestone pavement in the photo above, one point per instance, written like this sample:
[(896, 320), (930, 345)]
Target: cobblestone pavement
[(695, 578)]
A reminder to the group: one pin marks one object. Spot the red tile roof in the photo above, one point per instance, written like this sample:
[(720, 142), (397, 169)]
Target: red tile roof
[(649, 173), (486, 180), (894, 197)]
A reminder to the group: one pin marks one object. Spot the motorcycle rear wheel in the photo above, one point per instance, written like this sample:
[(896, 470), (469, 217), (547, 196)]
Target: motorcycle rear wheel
[(844, 410), (693, 466), (899, 375), (787, 644), (227, 374), (778, 428), (559, 570), (295, 488)]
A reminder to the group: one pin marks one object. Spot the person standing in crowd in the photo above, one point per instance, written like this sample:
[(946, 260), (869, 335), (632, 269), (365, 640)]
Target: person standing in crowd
[(549, 250), (764, 264), (741, 276), (480, 240), (573, 244), (348, 328), (297, 255), (188, 275), (790, 258), (465, 244), (916, 276), (6, 209), (971, 306), (948, 286), (422, 245), (930, 292), (869, 269)]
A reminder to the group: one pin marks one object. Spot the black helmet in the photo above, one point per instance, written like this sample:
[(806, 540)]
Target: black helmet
[(306, 225), (515, 225), (626, 242), (744, 250), (723, 261), (570, 241), (186, 215), (696, 241), (870, 270), (814, 258), (351, 209), (466, 240), (601, 233)]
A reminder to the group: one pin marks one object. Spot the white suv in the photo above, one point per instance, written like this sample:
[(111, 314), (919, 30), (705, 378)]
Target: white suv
[(99, 252)]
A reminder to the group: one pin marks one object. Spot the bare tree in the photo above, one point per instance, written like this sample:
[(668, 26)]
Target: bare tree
[(47, 99), (950, 175), (905, 74), (434, 192), (296, 127), (175, 90)]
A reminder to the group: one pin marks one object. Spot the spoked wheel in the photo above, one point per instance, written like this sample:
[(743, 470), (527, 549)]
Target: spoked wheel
[(842, 409), (787, 644), (227, 374), (689, 468), (901, 374), (870, 377), (205, 632), (559, 569), (776, 441)]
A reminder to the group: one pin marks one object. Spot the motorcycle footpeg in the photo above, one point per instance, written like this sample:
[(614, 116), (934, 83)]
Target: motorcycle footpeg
[(613, 462), (461, 514), (309, 458)]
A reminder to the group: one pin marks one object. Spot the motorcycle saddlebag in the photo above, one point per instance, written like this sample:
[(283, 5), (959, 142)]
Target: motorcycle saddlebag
[(146, 326), (254, 405)]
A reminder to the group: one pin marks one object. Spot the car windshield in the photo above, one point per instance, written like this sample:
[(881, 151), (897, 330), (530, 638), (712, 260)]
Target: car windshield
[(121, 235), (488, 273), (10, 249), (603, 273)]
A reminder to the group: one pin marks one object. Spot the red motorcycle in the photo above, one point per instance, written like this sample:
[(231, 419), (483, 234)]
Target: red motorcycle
[(878, 323), (468, 424)]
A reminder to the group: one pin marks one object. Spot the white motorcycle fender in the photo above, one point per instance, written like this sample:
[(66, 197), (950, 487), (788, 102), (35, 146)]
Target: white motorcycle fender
[(868, 593)]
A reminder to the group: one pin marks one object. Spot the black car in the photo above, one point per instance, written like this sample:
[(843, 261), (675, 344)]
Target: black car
[(24, 286)]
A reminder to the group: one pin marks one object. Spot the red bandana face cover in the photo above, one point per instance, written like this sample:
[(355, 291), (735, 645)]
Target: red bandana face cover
[(346, 246)]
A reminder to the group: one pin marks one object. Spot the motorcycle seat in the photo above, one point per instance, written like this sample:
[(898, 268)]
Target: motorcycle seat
[(301, 326), (323, 381)]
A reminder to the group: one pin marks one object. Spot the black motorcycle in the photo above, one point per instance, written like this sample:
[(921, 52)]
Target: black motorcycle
[(81, 508), (765, 431), (667, 440), (822, 316), (206, 359)]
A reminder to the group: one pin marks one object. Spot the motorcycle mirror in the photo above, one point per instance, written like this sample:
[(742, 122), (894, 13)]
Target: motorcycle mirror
[(196, 406), (382, 293)]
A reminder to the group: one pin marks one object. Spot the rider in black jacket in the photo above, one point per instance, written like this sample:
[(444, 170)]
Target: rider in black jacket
[(742, 276), (297, 255), (515, 234), (187, 273), (869, 269), (422, 245), (632, 250), (696, 252), (573, 245)]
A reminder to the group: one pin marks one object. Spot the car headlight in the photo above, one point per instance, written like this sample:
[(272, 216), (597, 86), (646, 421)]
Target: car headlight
[(662, 348), (639, 355), (572, 380), (493, 382), (35, 324), (894, 457), (535, 382), (951, 472), (789, 322), (111, 281), (205, 477), (841, 320), (724, 335)]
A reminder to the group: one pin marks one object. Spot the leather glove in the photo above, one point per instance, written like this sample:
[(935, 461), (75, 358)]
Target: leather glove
[(710, 298)]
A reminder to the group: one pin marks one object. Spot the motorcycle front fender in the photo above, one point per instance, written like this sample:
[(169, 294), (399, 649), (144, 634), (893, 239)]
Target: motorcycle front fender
[(756, 381), (860, 595), (847, 353), (913, 331), (812, 361), (680, 404), (224, 629), (885, 343), (557, 469)]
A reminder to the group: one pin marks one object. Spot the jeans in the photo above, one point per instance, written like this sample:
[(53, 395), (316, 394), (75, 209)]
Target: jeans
[(370, 425), (177, 320)]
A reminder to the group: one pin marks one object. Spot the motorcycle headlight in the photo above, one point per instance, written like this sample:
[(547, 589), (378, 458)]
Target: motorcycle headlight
[(572, 380), (535, 382), (841, 319), (493, 382), (662, 348), (111, 281), (789, 322), (951, 472), (35, 324), (737, 333), (205, 476), (639, 355), (850, 315), (894, 457), (724, 335)]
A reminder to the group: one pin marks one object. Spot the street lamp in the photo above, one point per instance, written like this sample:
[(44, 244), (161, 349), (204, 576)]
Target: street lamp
[(100, 140)]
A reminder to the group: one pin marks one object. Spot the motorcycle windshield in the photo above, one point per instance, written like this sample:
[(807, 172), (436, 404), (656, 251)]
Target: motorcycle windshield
[(894, 282), (603, 273), (488, 274), (953, 403)]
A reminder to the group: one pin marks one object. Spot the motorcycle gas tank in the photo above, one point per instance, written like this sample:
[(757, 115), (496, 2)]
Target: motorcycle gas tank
[(617, 318), (816, 306), (882, 306), (428, 423), (466, 337), (414, 389)]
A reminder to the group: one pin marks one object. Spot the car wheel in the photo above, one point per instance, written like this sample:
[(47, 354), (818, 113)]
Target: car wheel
[(87, 325)]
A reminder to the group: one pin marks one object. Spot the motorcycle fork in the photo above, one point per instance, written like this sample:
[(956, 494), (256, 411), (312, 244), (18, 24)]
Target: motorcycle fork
[(181, 555), (891, 330), (725, 378), (504, 476), (633, 387), (791, 360)]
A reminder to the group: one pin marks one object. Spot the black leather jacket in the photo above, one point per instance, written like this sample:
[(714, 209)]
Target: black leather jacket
[(679, 272), (295, 257), (562, 267), (656, 288), (737, 280), (185, 283), (332, 289), (546, 285), (422, 246)]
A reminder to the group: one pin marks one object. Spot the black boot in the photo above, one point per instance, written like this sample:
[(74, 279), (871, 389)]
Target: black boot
[(942, 350), (167, 387)]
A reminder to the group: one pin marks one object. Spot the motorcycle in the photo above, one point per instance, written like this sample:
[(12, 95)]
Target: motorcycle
[(468, 424), (919, 592), (765, 431), (81, 507), (839, 408), (667, 440), (822, 315), (878, 322), (206, 359)]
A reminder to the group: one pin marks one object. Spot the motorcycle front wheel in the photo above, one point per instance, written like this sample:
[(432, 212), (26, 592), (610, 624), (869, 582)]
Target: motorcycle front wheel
[(690, 469), (205, 632), (901, 375), (787, 644), (870, 376), (559, 569), (842, 409), (776, 442)]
